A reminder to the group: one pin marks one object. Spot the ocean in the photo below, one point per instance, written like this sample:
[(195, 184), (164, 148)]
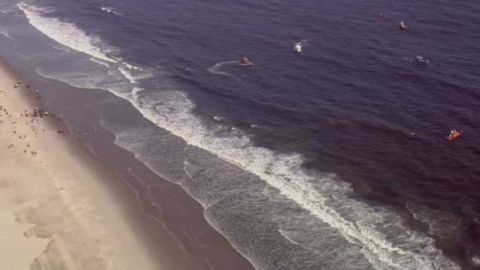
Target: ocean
[(333, 159)]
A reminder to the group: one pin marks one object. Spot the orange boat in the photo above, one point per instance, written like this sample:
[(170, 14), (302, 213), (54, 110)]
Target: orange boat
[(454, 135)]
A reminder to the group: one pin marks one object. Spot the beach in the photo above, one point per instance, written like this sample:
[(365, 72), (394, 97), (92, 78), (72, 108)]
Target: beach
[(63, 208), (146, 136), (54, 211)]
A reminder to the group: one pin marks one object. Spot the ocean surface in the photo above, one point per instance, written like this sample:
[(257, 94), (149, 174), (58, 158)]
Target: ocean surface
[(333, 159)]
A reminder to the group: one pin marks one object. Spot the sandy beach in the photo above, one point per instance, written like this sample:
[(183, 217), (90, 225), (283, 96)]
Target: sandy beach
[(54, 211)]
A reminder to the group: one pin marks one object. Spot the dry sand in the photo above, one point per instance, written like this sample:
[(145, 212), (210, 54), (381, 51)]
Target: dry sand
[(55, 213)]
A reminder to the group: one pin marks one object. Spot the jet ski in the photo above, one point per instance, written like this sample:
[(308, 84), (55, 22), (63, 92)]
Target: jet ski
[(421, 60), (298, 47), (454, 135), (245, 62)]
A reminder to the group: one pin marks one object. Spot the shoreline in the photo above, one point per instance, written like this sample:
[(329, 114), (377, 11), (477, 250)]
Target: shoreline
[(53, 203), (95, 204)]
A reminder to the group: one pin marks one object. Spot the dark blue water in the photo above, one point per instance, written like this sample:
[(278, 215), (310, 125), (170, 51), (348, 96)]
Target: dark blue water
[(334, 159)]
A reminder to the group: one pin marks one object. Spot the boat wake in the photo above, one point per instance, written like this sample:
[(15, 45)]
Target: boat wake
[(5, 34), (217, 68), (109, 10)]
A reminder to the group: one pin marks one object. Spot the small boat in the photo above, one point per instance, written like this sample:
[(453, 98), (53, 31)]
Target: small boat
[(421, 60), (298, 47), (454, 135), (245, 62), (403, 26)]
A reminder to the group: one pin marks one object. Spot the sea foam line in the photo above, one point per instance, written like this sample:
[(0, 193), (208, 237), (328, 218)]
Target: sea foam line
[(65, 33), (133, 73), (284, 172), (173, 111), (69, 35)]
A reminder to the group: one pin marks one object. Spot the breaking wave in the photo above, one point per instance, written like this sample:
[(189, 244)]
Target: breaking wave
[(385, 241), (65, 33), (132, 73)]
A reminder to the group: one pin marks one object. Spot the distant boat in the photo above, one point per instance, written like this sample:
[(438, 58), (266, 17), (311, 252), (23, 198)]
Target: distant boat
[(245, 62), (298, 47), (403, 26), (421, 60), (454, 135)]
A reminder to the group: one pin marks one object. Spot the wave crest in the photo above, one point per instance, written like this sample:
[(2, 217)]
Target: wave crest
[(65, 33)]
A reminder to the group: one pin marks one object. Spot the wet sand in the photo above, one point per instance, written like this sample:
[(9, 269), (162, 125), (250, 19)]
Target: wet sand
[(63, 208), (54, 211)]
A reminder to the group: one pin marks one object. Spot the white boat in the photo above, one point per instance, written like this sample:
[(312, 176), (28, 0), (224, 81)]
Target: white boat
[(298, 47)]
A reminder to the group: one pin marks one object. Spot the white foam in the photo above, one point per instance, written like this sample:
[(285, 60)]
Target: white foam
[(133, 73), (217, 118), (65, 33), (5, 34), (386, 242), (132, 67), (217, 68), (384, 239), (127, 74), (440, 224), (476, 260), (356, 221), (286, 236), (137, 90), (95, 60)]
